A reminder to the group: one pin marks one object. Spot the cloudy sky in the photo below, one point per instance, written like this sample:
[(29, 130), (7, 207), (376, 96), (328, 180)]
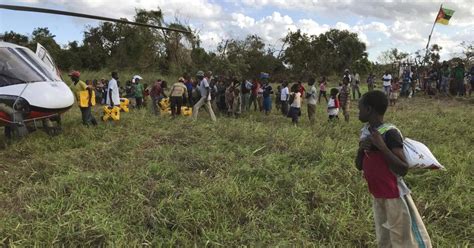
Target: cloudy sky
[(381, 24)]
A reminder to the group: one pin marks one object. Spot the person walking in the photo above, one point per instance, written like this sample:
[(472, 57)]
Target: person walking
[(312, 95), (356, 86), (284, 97), (86, 104), (205, 91)]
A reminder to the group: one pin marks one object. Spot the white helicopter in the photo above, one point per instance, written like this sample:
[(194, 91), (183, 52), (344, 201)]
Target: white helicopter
[(31, 87)]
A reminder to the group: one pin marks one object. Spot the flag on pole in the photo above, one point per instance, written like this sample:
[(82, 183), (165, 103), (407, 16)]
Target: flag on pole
[(444, 15)]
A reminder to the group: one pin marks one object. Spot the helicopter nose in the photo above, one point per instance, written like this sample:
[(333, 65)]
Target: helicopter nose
[(49, 95)]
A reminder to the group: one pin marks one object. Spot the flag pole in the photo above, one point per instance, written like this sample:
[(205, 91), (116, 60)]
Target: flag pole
[(429, 37)]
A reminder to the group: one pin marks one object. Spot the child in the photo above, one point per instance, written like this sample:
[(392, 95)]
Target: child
[(381, 158), (344, 98), (278, 98), (267, 97), (295, 104), (229, 98), (322, 89), (394, 91), (237, 104), (333, 105)]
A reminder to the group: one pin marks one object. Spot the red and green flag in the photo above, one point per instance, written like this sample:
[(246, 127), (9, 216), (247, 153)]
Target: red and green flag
[(444, 15)]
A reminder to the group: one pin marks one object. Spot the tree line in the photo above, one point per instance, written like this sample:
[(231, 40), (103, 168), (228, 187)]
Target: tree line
[(119, 46)]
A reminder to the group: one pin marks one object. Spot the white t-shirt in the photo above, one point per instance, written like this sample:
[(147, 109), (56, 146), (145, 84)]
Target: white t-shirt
[(313, 95), (297, 101), (387, 80), (331, 105), (284, 94), (357, 77), (115, 92), (202, 88)]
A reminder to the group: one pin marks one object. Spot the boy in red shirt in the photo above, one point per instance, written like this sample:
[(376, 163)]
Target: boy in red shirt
[(381, 158)]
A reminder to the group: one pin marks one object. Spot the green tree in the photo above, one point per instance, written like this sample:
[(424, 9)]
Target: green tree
[(15, 38), (392, 56)]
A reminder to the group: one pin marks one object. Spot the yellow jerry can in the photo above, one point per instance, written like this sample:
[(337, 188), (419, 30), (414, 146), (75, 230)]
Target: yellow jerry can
[(124, 102), (186, 111), (165, 104), (111, 113)]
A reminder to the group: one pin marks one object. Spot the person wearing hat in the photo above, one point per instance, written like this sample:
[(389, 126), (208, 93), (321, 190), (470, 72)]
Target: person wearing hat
[(77, 87), (205, 99), (179, 92)]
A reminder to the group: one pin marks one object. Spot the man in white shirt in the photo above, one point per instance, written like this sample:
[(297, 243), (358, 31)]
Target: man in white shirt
[(205, 100), (387, 82), (284, 96), (311, 95), (113, 97)]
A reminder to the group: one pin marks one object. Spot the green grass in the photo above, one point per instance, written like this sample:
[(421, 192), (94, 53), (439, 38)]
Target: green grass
[(254, 181)]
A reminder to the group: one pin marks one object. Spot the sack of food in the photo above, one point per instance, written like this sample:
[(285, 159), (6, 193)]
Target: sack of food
[(417, 154)]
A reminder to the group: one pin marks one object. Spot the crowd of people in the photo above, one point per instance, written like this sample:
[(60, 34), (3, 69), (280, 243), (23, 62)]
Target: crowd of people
[(232, 97)]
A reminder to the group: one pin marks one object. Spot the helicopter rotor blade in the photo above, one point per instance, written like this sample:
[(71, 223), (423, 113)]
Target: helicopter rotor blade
[(67, 13)]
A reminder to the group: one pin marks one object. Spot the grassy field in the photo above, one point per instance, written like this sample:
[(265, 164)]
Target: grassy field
[(254, 181)]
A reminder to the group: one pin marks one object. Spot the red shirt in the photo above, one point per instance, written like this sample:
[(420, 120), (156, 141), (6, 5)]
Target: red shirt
[(156, 90), (302, 90), (381, 180), (255, 88)]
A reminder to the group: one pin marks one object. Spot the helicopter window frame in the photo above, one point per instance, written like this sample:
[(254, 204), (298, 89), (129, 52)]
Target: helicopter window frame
[(37, 63), (19, 63)]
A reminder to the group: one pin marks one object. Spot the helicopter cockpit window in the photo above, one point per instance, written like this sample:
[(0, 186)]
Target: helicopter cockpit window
[(38, 64), (14, 70)]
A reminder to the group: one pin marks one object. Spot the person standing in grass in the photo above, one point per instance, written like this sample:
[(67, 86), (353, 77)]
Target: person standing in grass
[(139, 91), (254, 97), (394, 91), (345, 98), (295, 104), (459, 78), (381, 159), (471, 80), (333, 105), (189, 87), (371, 82), (284, 97), (355, 86), (311, 96), (237, 103), (205, 100), (229, 98), (277, 98), (156, 94), (387, 82), (179, 92), (267, 96), (322, 89), (445, 77), (245, 94), (113, 94), (77, 87)]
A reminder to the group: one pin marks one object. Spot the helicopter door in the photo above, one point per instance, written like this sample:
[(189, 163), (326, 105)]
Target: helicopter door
[(44, 55)]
